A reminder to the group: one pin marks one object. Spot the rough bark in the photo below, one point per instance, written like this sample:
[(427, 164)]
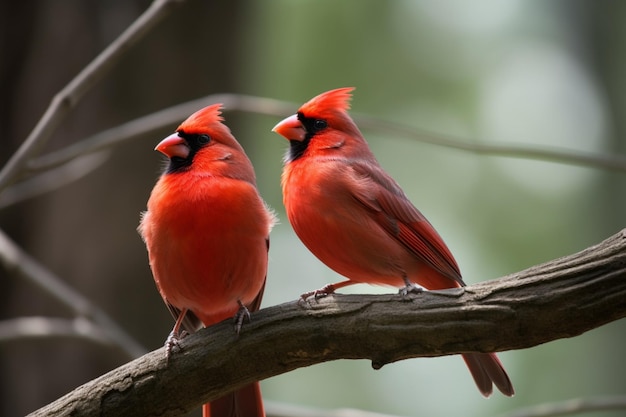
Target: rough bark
[(561, 298)]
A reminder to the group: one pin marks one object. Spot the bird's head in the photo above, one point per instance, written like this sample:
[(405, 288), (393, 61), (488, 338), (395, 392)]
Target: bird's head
[(202, 143), (320, 124)]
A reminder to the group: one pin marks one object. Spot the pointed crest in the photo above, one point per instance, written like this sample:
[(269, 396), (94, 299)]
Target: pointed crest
[(202, 118), (334, 100)]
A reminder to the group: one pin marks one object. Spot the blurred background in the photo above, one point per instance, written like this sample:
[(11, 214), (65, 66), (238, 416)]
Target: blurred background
[(537, 73)]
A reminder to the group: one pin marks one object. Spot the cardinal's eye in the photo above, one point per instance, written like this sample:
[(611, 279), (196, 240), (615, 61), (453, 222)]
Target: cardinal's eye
[(319, 124), (204, 139)]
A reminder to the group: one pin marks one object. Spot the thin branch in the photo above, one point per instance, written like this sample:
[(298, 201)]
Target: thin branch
[(561, 298), (570, 407), (271, 107), (66, 99), (23, 328), (20, 263), (561, 408), (563, 156), (171, 117), (53, 179), (274, 409)]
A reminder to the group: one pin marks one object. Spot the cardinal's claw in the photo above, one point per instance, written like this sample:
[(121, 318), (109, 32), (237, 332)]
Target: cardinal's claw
[(410, 288), (319, 293), (172, 342), (241, 315)]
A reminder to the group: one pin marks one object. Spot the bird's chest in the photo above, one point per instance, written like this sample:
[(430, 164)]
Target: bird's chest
[(201, 224), (200, 211), (316, 197), (323, 211), (191, 218), (327, 214), (207, 248)]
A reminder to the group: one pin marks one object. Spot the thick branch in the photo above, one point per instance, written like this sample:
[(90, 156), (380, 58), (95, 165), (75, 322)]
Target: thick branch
[(562, 298)]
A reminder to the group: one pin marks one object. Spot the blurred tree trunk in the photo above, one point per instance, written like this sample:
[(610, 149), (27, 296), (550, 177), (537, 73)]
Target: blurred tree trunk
[(85, 232), (17, 29)]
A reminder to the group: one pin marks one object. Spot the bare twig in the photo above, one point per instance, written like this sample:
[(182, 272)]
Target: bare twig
[(570, 407), (53, 178), (171, 117), (274, 409), (68, 97), (562, 156), (47, 327), (20, 263), (561, 298), (271, 107)]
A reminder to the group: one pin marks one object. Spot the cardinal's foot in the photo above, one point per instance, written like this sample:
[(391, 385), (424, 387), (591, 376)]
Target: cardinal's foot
[(172, 342), (240, 317), (322, 292), (410, 288)]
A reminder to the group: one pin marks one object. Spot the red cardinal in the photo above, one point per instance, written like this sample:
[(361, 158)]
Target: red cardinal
[(357, 220), (207, 233)]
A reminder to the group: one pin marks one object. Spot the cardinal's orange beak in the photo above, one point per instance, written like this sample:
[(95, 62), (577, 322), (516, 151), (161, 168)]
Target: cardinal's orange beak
[(172, 146), (291, 128)]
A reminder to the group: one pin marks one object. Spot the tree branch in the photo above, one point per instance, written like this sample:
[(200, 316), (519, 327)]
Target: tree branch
[(561, 298), (22, 264), (70, 95), (573, 406), (22, 328), (53, 178), (171, 116)]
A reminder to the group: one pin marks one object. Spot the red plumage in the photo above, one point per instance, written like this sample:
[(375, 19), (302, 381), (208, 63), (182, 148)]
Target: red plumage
[(357, 220), (207, 234)]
